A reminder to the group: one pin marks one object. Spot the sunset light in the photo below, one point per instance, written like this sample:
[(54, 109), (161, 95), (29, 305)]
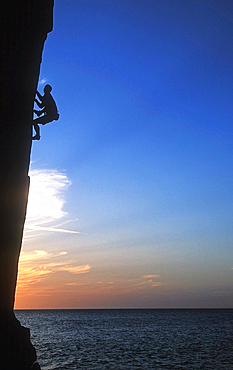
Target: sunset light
[(116, 134), (131, 189)]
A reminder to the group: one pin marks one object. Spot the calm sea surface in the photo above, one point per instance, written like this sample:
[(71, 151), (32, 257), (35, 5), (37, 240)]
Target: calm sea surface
[(131, 339)]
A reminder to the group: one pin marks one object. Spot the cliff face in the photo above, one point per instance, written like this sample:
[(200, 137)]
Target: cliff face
[(23, 30)]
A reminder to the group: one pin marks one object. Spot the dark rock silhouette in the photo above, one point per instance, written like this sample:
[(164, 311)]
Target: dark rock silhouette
[(48, 110), (23, 28)]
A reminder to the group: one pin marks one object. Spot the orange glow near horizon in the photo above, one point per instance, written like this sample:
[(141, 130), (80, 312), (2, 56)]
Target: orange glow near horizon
[(49, 279), (66, 268), (54, 281)]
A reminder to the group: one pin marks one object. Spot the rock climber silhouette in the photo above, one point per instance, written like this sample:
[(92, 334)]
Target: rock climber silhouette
[(48, 109)]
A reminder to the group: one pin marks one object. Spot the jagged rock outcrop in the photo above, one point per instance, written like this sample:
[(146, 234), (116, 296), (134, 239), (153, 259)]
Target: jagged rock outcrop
[(16, 351), (23, 30)]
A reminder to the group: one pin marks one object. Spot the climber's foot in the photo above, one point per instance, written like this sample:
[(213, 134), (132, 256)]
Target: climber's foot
[(36, 137), (37, 112)]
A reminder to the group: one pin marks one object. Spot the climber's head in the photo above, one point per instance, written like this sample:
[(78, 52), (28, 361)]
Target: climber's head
[(47, 89)]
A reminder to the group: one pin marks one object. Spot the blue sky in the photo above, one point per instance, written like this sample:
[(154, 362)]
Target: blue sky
[(138, 170)]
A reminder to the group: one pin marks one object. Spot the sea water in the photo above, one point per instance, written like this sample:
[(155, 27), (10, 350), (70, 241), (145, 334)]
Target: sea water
[(131, 339)]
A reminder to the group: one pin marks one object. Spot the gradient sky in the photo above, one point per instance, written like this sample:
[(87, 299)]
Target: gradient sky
[(131, 190)]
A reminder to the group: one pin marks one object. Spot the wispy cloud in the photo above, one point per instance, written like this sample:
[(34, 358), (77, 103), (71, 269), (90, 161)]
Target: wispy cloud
[(28, 257), (150, 276), (52, 229), (43, 81), (35, 255), (46, 201), (46, 196), (37, 265), (141, 284), (82, 269)]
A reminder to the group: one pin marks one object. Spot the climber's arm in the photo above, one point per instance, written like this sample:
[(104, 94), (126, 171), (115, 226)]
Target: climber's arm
[(39, 95)]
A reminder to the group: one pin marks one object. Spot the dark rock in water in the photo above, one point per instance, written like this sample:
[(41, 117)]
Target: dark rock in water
[(16, 350)]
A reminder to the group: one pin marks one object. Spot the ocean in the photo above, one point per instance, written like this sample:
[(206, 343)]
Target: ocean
[(131, 338)]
